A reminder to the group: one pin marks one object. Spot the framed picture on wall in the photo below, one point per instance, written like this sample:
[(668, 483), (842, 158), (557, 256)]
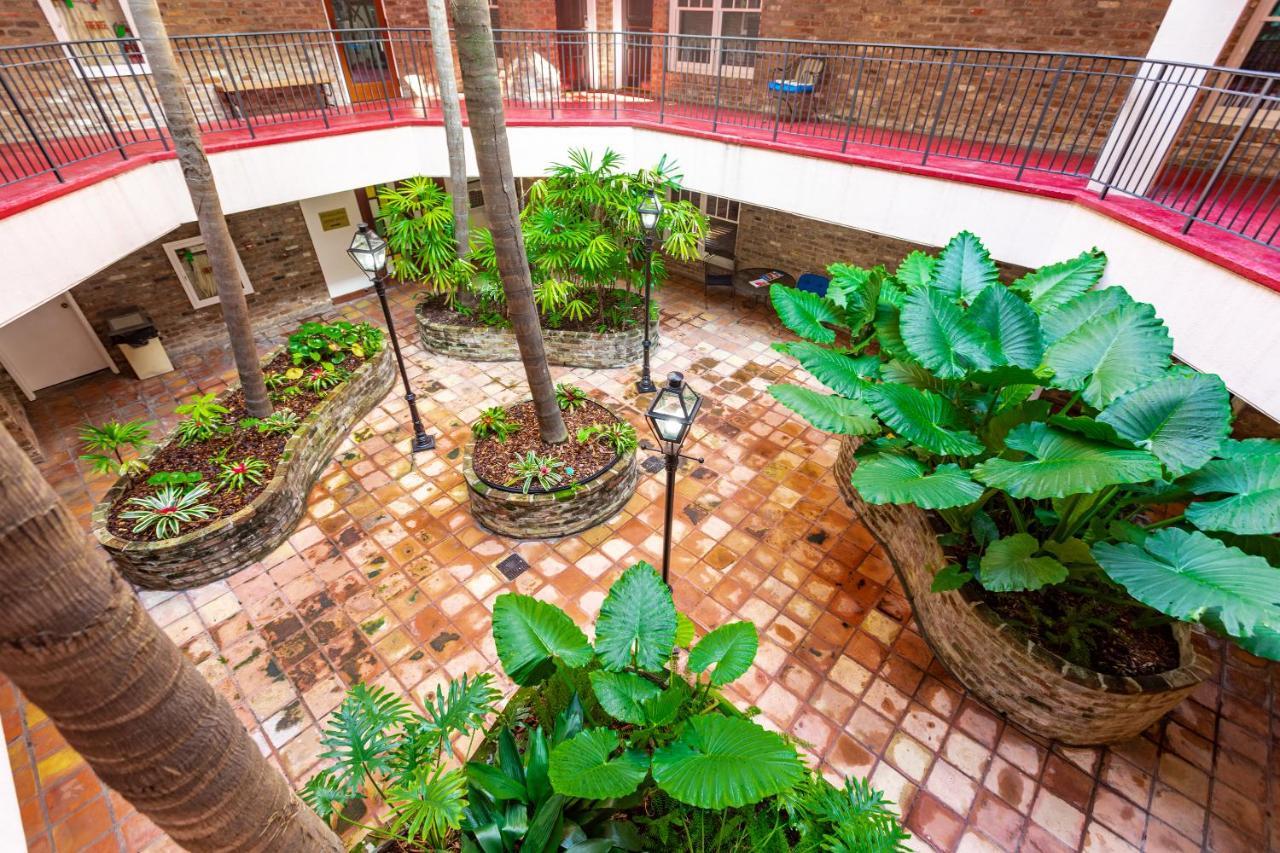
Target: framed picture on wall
[(191, 263)]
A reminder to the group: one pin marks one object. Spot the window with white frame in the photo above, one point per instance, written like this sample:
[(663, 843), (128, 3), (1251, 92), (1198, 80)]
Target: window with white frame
[(191, 262), (714, 36), (720, 245), (79, 24)]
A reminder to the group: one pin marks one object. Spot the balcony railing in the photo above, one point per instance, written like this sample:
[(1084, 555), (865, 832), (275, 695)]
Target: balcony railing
[(1198, 141)]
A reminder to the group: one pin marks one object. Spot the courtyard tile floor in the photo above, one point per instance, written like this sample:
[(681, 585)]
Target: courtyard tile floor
[(389, 580)]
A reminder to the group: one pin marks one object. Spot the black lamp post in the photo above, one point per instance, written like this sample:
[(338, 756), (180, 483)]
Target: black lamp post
[(650, 209), (670, 416), (369, 251)]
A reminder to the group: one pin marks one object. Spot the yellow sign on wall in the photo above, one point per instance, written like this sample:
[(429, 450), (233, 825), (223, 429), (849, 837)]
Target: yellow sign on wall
[(331, 220)]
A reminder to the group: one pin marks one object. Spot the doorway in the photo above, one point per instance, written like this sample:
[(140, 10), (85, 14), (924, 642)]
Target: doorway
[(365, 54), (572, 43), (24, 346), (637, 63)]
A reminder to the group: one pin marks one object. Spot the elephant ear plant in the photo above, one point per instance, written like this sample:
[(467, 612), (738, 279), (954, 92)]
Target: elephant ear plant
[(1086, 480)]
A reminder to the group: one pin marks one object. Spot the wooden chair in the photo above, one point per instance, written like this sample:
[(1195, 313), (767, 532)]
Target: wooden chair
[(797, 84)]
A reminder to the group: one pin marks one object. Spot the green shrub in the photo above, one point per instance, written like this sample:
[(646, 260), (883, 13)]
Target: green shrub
[(494, 422), (619, 435), (110, 440)]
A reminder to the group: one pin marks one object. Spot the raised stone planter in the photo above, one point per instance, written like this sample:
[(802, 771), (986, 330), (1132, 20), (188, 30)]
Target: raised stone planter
[(1030, 685), (551, 514), (570, 349), (256, 529)]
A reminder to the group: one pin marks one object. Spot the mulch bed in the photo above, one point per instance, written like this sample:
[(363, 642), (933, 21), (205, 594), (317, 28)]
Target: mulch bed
[(491, 458), (199, 456), (434, 310)]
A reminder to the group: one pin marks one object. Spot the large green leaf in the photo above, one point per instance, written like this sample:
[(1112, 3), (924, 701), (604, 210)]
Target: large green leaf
[(1253, 486), (964, 268), (939, 335), (889, 331), (909, 373), (530, 635), (923, 418), (1187, 575), (623, 694), (1081, 311), (826, 411), (1111, 354), (585, 766), (856, 290), (720, 762), (1063, 463), (916, 270), (730, 649), (1181, 418), (1011, 324), (845, 374), (637, 623), (887, 478), (1010, 565), (804, 313), (1056, 284), (1232, 448)]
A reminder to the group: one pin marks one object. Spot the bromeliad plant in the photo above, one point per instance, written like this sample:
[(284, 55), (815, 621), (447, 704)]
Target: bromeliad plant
[(619, 435), (109, 441), (236, 476), (1046, 424), (570, 398), (168, 509), (547, 471), (204, 419), (494, 422)]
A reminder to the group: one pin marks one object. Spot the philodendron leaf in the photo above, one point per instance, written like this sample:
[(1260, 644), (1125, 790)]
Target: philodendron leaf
[(1233, 448), (730, 649), (530, 635), (684, 630), (916, 270), (910, 373), (940, 336), (855, 290), (1010, 565), (847, 375), (1063, 463), (663, 708), (720, 762), (889, 331), (585, 766), (1181, 418), (1252, 484), (637, 623), (622, 694), (826, 411), (1052, 286), (924, 418), (1186, 575), (1081, 311), (1011, 324), (964, 268), (891, 479), (805, 313), (1111, 354)]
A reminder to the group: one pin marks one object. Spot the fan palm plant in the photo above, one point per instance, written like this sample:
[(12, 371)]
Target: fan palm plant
[(417, 217)]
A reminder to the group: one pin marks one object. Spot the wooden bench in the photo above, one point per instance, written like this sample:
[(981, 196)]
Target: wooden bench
[(242, 98)]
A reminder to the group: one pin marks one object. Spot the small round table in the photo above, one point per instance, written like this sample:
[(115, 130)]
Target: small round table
[(742, 279)]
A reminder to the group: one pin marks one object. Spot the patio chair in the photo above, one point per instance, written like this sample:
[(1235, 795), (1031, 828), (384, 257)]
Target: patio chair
[(811, 282), (715, 276), (797, 83)]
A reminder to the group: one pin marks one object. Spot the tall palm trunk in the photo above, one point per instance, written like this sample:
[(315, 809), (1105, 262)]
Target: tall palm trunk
[(493, 160), (77, 642), (447, 86), (204, 196)]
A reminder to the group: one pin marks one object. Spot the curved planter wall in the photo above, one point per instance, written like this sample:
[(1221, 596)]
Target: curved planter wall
[(551, 514), (231, 543), (570, 349), (1032, 686)]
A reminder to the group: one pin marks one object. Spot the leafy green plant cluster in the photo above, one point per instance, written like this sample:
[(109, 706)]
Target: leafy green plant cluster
[(416, 215), (322, 377), (109, 442), (164, 512), (237, 475), (545, 470), (619, 435), (1045, 422), (570, 398), (281, 421), (494, 422), (205, 418), (174, 478), (329, 343)]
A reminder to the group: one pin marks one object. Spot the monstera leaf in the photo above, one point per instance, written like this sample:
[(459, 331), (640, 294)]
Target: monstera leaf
[(730, 649), (531, 634), (720, 762), (637, 623), (916, 270), (1010, 565), (891, 479), (585, 766), (940, 336), (1081, 311), (833, 414), (1011, 325), (1057, 284), (805, 313), (1181, 418), (1187, 575), (1063, 463), (1111, 354), (847, 375), (923, 418), (964, 268), (623, 694), (1253, 485)]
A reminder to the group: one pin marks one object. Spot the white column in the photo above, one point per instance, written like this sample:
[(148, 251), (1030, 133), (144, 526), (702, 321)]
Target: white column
[(1193, 31)]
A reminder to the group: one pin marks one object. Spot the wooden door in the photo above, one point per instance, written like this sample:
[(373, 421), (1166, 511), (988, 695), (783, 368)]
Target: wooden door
[(571, 43), (363, 50), (637, 63)]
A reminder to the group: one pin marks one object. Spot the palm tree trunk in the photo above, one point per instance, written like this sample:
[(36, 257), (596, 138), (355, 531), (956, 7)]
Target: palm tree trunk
[(447, 86), (184, 131), (76, 640), (493, 160)]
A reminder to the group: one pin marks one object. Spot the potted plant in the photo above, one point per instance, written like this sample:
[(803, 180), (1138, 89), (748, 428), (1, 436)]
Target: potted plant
[(605, 746), (1059, 499)]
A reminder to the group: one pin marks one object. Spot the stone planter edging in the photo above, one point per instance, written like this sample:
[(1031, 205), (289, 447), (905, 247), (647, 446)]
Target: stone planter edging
[(229, 544), (1032, 686), (569, 349)]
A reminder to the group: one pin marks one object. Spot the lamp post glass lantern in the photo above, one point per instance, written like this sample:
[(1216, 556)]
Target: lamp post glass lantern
[(670, 416), (649, 211), (369, 251)]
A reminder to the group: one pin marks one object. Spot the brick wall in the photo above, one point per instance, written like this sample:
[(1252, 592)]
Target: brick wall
[(277, 254)]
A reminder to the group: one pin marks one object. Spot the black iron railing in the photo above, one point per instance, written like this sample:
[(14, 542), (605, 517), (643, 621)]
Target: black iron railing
[(1198, 141)]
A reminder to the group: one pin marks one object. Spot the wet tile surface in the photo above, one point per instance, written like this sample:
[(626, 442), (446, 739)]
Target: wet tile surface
[(388, 580)]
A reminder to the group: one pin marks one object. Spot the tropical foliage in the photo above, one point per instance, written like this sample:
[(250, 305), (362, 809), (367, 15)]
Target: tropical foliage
[(544, 469), (321, 343), (618, 435), (237, 475), (164, 512), (108, 442), (1045, 422), (416, 218), (494, 422), (570, 397)]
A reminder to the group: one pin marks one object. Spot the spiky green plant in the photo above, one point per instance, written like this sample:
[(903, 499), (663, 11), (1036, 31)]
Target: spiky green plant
[(494, 422), (236, 476), (619, 435), (570, 397), (164, 512), (110, 440), (547, 471), (321, 377), (416, 215), (281, 421)]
